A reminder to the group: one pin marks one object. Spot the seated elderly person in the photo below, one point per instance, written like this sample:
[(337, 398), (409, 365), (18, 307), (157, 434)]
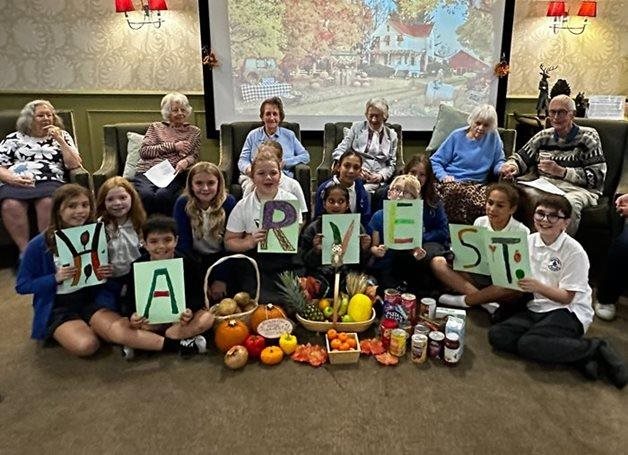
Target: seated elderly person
[(174, 140), (464, 162), (375, 141), (567, 155), (33, 161), (272, 114)]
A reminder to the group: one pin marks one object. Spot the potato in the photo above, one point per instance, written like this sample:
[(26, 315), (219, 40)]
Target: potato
[(227, 307)]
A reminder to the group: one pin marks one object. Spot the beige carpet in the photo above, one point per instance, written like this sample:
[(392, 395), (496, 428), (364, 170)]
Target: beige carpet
[(53, 403)]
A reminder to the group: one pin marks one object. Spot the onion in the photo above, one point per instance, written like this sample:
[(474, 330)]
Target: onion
[(236, 357)]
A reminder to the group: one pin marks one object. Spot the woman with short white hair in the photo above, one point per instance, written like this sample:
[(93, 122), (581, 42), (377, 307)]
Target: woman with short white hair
[(465, 161), (174, 140)]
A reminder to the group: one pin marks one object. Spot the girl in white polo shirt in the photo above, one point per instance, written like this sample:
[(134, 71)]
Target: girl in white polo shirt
[(551, 329)]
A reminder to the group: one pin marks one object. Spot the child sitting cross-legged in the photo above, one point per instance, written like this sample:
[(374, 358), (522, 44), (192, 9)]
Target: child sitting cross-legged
[(160, 241), (475, 289), (551, 328)]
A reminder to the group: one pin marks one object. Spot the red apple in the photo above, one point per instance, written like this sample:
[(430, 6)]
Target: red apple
[(254, 344)]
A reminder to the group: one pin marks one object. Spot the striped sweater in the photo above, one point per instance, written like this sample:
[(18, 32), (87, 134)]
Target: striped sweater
[(158, 144), (580, 152)]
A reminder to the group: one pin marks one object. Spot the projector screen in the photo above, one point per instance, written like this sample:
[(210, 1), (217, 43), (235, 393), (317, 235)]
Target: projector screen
[(326, 58)]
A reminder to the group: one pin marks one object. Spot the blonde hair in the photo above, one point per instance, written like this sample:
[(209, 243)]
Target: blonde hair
[(216, 212), (272, 146), (265, 155), (409, 183), (136, 214)]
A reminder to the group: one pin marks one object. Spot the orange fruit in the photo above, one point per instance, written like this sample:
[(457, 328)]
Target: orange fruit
[(332, 334), (335, 343), (344, 346), (342, 336), (351, 342)]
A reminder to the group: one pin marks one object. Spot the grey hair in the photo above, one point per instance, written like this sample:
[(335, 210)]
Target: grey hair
[(484, 113), (378, 103), (27, 115), (171, 98), (567, 101)]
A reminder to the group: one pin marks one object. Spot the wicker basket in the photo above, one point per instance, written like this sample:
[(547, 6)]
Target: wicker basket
[(242, 316), (344, 357), (324, 326)]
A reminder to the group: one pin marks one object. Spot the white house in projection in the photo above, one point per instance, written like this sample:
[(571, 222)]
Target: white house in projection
[(407, 48)]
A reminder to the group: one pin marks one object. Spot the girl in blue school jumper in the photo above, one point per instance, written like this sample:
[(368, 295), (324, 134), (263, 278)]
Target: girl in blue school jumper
[(75, 320), (347, 172), (201, 214)]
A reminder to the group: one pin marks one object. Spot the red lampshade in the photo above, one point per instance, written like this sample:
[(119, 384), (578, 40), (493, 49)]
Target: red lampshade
[(588, 9), (556, 9), (157, 5), (122, 6)]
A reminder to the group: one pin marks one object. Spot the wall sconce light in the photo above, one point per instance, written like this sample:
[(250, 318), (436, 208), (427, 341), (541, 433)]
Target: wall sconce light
[(558, 11), (147, 6)]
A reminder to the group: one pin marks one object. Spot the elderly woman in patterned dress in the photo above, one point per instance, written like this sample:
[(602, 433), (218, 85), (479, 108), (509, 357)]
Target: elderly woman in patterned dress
[(174, 140), (33, 163)]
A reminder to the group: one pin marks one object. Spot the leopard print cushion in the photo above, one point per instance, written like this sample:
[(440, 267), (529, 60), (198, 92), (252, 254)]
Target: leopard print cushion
[(463, 201)]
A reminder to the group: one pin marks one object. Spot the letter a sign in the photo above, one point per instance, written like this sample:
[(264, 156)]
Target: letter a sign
[(159, 290)]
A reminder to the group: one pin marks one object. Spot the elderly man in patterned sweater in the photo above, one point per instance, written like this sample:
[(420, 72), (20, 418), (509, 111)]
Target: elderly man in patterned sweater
[(567, 155)]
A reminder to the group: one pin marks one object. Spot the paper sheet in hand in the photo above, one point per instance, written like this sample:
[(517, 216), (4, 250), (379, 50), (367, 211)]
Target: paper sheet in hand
[(161, 174), (508, 257), (281, 220), (544, 185), (159, 290)]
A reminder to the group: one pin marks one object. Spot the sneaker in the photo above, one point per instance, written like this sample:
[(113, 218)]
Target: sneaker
[(191, 346), (127, 353), (456, 301), (491, 307), (605, 311)]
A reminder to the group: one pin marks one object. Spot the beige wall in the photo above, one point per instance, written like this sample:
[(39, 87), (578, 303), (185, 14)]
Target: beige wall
[(83, 45)]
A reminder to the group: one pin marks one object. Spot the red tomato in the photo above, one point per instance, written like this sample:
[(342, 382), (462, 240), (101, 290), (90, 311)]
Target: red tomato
[(254, 344)]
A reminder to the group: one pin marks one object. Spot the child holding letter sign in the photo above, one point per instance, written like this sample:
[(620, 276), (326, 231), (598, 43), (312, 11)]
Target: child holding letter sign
[(394, 267), (244, 228), (475, 289), (551, 329)]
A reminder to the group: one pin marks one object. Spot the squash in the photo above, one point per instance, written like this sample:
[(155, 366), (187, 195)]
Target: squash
[(230, 333), (263, 312), (272, 355)]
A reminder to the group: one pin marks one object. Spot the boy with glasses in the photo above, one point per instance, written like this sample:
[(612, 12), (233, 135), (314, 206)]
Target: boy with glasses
[(567, 155), (551, 329)]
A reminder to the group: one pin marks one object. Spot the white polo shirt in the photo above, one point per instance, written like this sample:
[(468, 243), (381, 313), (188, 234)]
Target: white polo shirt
[(563, 264), (512, 226), (245, 216), (285, 183)]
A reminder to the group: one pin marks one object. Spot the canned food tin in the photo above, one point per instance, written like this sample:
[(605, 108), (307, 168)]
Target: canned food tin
[(409, 303), (428, 307), (451, 353), (392, 296), (436, 344), (418, 348), (398, 342), (385, 327), (421, 329)]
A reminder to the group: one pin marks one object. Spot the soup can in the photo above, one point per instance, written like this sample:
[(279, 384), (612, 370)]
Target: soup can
[(418, 348), (427, 308), (392, 296), (398, 342), (437, 339), (421, 329), (409, 303), (385, 327)]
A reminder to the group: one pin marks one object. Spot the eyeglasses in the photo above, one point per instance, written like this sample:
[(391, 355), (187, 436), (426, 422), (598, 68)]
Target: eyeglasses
[(540, 215), (558, 112)]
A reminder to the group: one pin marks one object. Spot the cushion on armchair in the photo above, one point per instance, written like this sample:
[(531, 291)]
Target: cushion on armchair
[(132, 154), (449, 118)]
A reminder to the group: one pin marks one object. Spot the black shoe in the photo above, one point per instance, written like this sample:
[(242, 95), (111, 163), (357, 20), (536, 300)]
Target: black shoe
[(615, 366), (190, 346), (590, 370)]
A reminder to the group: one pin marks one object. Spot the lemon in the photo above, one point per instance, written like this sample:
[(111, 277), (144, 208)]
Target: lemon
[(360, 308)]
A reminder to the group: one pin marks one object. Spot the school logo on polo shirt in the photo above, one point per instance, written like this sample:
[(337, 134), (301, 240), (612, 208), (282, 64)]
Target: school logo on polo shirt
[(554, 264)]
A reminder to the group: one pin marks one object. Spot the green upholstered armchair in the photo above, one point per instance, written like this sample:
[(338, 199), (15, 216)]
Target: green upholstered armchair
[(115, 150), (334, 134), (232, 137)]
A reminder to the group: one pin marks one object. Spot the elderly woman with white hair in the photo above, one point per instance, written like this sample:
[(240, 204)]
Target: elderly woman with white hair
[(33, 164), (174, 140), (376, 142), (464, 162)]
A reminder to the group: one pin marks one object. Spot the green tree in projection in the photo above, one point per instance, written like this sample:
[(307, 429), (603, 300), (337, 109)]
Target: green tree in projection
[(256, 29), (422, 10), (477, 30), (315, 27)]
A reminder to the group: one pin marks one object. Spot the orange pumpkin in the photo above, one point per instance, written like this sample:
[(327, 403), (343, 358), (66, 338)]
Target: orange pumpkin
[(263, 312), (272, 355), (230, 333)]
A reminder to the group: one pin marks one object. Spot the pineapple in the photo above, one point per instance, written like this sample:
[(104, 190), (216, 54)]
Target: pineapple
[(296, 300)]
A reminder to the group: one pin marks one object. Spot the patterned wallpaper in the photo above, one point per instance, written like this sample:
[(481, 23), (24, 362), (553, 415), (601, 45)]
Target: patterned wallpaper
[(53, 45), (83, 45), (595, 62)]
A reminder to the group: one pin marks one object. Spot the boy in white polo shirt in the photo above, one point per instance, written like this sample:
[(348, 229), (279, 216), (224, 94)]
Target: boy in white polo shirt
[(551, 329)]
